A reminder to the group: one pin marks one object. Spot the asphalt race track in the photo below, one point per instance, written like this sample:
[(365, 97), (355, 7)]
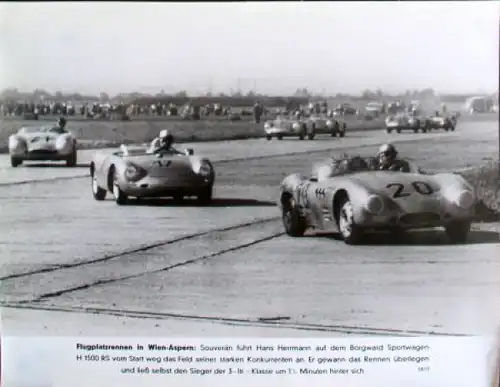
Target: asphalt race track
[(152, 268)]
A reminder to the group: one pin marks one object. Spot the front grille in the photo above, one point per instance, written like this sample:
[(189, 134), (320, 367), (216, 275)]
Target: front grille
[(421, 218)]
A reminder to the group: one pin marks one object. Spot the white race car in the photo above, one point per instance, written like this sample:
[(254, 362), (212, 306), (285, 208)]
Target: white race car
[(42, 143)]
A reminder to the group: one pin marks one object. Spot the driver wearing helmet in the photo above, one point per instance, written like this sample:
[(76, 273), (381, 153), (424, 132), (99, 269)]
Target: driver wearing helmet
[(60, 126), (162, 143), (388, 161)]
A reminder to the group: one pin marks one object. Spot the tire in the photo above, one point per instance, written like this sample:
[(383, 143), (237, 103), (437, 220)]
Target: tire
[(310, 136), (303, 132), (398, 130), (294, 223), (72, 159), (119, 196), (388, 130), (268, 137), (342, 134), (279, 137), (415, 130), (335, 129), (452, 128), (15, 162), (458, 231), (350, 233), (205, 196), (97, 192)]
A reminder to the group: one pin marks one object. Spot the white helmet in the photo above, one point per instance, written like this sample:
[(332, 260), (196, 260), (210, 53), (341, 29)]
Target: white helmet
[(163, 134)]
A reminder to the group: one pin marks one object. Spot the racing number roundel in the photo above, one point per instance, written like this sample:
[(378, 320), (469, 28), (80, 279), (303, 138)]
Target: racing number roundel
[(402, 191)]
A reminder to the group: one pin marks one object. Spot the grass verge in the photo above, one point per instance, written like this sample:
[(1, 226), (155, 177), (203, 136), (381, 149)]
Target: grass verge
[(485, 180), (98, 134)]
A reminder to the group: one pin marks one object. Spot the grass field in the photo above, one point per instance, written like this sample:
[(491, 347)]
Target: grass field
[(110, 133)]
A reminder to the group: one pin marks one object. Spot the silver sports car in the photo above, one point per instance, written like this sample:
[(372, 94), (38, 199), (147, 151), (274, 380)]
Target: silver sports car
[(135, 172), (351, 197), (319, 124), (42, 143), (438, 121), (288, 127), (404, 121)]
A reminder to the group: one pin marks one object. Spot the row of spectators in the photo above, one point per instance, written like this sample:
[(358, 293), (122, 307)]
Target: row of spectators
[(107, 110)]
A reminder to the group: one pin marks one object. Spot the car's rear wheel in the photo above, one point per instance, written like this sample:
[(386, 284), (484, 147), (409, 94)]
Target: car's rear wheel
[(15, 162), (120, 197), (279, 136), (268, 137), (72, 159), (205, 195), (458, 231), (388, 130), (294, 222), (398, 130), (350, 232)]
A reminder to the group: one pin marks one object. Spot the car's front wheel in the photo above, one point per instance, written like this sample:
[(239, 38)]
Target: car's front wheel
[(349, 231), (120, 196), (458, 231), (97, 192), (294, 222), (205, 196), (72, 159), (15, 162)]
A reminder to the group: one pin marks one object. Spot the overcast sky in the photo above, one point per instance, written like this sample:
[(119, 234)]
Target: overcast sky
[(275, 47)]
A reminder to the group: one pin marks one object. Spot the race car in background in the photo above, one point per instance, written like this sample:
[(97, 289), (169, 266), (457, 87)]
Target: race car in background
[(374, 109), (42, 143), (448, 122), (349, 197), (320, 124), (405, 121), (301, 127), (135, 172), (282, 127), (344, 109)]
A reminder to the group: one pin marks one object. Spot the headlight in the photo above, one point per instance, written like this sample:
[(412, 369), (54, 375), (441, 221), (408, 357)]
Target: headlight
[(202, 168), (16, 144), (205, 170), (374, 204), (329, 123), (463, 199), (62, 142), (295, 126), (134, 173)]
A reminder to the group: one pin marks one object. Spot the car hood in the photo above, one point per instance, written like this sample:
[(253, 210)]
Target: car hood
[(39, 136), (377, 181), (167, 164), (386, 184), (150, 160)]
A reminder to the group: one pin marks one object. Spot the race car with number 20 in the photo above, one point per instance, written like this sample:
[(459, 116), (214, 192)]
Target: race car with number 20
[(355, 201)]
